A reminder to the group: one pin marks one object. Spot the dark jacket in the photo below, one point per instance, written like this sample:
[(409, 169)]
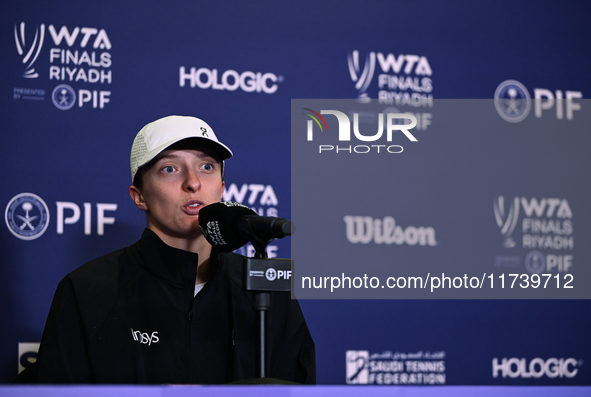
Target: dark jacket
[(131, 317)]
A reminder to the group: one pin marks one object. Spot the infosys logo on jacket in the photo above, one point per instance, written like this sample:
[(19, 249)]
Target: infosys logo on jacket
[(144, 338)]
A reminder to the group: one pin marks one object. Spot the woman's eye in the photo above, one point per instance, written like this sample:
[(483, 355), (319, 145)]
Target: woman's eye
[(168, 169), (208, 167)]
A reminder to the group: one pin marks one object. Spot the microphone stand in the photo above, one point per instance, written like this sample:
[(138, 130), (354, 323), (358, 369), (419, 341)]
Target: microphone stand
[(262, 303), (262, 275)]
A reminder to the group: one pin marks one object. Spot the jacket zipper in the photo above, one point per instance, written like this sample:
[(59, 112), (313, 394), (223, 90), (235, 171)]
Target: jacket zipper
[(189, 339)]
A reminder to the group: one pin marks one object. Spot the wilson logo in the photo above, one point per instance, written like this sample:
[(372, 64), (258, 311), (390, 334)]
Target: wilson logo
[(365, 229)]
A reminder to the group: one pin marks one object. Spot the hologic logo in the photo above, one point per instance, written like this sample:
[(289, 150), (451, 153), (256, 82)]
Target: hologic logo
[(344, 133), (230, 80), (538, 367), (27, 216), (29, 52)]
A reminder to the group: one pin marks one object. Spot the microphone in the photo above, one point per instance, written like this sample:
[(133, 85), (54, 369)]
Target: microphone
[(229, 225)]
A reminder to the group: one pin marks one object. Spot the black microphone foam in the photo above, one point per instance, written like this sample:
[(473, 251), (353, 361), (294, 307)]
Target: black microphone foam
[(218, 223)]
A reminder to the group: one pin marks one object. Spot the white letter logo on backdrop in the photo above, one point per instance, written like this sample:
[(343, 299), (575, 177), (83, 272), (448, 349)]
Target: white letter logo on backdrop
[(32, 53), (63, 97), (71, 60), (362, 79), (27, 216), (357, 366), (507, 220), (512, 101), (404, 79)]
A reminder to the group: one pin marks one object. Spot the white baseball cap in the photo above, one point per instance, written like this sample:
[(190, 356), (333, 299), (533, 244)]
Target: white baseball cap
[(160, 134)]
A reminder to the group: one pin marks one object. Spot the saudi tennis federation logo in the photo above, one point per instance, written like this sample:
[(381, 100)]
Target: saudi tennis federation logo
[(29, 49), (512, 101), (357, 371), (27, 216)]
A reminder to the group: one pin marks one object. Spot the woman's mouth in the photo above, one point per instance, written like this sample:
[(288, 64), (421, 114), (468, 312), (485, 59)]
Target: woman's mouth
[(192, 207)]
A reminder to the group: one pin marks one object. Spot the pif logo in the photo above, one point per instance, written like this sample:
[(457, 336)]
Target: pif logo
[(513, 101), (272, 274), (27, 216), (344, 131)]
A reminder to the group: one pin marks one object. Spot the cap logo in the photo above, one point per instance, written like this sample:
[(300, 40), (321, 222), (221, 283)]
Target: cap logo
[(204, 132)]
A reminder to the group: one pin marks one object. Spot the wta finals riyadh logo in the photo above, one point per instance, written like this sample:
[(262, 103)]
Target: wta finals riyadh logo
[(512, 101), (362, 79), (29, 54), (27, 216), (507, 220)]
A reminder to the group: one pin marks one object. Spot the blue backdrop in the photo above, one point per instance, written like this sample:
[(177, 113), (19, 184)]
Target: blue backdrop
[(80, 79)]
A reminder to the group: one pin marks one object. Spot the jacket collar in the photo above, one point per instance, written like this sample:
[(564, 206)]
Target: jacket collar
[(174, 265)]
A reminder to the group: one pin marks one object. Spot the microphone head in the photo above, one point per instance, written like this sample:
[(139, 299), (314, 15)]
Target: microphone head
[(217, 223)]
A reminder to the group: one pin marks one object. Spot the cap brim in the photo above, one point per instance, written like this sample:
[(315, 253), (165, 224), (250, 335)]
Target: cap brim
[(222, 150)]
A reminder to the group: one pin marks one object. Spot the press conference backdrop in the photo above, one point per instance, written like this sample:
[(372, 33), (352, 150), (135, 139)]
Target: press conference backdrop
[(80, 78)]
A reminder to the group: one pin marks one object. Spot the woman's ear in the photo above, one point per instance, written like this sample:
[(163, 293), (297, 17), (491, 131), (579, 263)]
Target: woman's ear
[(138, 198)]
